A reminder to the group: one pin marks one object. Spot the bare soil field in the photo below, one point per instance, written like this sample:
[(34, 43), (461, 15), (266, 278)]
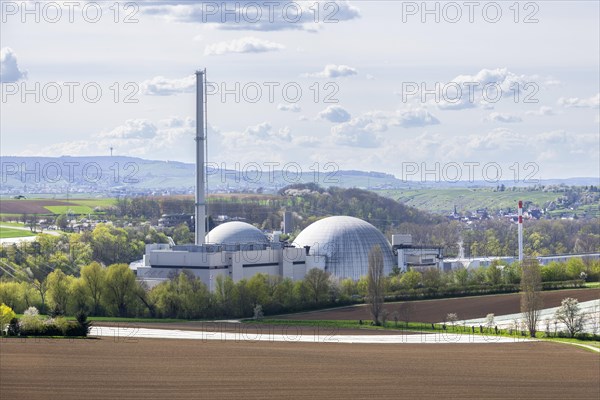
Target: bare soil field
[(465, 307), (182, 369), (29, 206)]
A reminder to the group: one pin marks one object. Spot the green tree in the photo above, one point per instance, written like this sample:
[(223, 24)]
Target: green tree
[(182, 234), (432, 278), (461, 277), (93, 277), (62, 222), (411, 279), (317, 283), (531, 298), (493, 275), (376, 284), (6, 315), (120, 285), (59, 290), (11, 295)]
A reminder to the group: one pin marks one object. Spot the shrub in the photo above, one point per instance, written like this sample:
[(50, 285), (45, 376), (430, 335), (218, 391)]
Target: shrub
[(6, 315), (31, 323), (13, 327)]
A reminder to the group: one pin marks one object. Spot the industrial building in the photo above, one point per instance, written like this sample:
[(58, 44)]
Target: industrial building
[(339, 245), (345, 242)]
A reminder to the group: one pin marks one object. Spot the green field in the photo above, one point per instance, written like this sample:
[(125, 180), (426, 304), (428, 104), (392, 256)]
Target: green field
[(44, 205), (70, 209), (442, 201), (9, 233)]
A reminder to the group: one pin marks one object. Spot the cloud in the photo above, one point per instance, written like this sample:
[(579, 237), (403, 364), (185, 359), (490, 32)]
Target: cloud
[(9, 67), (416, 117), (256, 135), (543, 111), (244, 45), (289, 107), (333, 71), (576, 102), (160, 86), (251, 15), (484, 89), (504, 118), (335, 113), (494, 140), (359, 132), (132, 129)]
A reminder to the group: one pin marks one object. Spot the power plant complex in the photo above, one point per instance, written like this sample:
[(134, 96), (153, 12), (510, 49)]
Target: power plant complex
[(339, 245)]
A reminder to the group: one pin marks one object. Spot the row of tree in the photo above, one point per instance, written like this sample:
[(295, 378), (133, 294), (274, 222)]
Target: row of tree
[(114, 291)]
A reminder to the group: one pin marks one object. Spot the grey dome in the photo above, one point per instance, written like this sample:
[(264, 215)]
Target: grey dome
[(346, 241), (236, 232)]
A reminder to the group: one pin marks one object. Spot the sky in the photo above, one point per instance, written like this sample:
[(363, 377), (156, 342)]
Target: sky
[(425, 91)]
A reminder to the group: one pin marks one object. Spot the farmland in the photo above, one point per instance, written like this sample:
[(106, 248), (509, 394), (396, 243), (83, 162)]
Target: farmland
[(443, 200), (9, 233), (466, 307), (159, 368), (51, 206)]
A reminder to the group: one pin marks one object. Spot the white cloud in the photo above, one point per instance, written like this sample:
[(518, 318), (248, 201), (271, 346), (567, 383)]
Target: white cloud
[(543, 111), (256, 135), (416, 117), (484, 89), (161, 86), (359, 132), (494, 140), (132, 129), (576, 102), (333, 71), (289, 107), (252, 15), (504, 118), (335, 113), (247, 44), (9, 67)]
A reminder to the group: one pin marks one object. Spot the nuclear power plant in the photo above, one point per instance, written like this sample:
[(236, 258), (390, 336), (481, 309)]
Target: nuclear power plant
[(339, 245)]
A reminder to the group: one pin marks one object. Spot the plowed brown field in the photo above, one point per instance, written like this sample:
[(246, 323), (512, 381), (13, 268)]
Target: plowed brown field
[(465, 307), (185, 369), (29, 206)]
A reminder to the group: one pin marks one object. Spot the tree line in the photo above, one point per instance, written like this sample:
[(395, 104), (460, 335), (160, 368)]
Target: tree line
[(114, 290)]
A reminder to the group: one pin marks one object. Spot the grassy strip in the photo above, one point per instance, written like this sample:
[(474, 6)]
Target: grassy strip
[(592, 285), (590, 343), (121, 319), (13, 224), (418, 327), (7, 233)]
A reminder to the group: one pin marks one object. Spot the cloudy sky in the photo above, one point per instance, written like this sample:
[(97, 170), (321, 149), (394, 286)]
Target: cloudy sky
[(380, 86)]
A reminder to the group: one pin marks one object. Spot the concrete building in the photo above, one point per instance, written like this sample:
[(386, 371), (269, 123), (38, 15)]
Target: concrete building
[(345, 242), (414, 257), (234, 249)]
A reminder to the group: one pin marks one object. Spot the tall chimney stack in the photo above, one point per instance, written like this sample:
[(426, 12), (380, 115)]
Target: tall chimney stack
[(200, 205), (520, 230)]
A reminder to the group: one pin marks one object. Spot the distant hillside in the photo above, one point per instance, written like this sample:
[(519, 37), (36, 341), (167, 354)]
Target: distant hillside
[(114, 176)]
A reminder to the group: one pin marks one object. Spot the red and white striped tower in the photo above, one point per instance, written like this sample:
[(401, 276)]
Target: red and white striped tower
[(520, 230)]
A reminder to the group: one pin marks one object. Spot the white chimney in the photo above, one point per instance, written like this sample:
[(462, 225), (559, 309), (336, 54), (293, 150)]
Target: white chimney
[(200, 205)]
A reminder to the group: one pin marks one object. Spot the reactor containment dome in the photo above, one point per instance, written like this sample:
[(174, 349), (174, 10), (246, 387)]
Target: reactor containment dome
[(235, 233), (346, 243)]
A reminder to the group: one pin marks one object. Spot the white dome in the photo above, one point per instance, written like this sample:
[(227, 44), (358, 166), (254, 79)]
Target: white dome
[(236, 232), (346, 243)]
